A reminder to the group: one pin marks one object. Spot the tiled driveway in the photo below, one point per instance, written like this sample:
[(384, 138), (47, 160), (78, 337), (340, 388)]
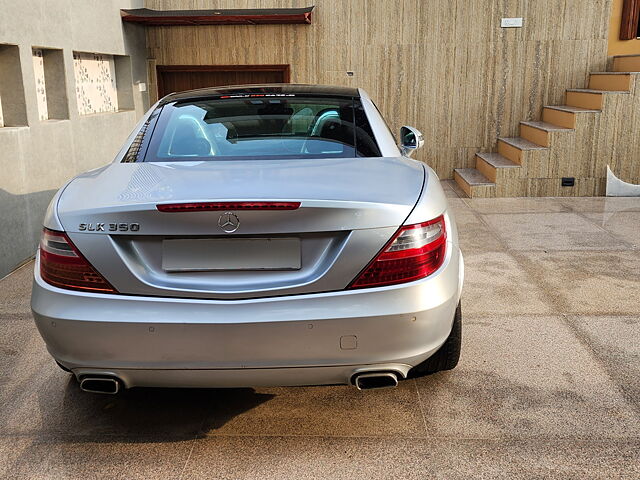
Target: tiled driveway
[(548, 385)]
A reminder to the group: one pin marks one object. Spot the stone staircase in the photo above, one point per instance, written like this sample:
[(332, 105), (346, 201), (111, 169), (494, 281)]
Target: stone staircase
[(573, 141)]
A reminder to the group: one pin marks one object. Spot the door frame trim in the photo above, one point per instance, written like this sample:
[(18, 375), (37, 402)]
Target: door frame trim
[(284, 68)]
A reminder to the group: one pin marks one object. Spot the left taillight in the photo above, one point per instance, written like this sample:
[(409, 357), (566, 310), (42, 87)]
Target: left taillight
[(63, 266), (414, 252)]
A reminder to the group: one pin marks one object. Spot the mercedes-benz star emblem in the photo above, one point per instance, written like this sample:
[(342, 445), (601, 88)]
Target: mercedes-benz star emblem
[(229, 222)]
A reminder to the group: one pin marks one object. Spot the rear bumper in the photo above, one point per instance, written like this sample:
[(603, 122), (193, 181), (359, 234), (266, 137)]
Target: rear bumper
[(296, 340)]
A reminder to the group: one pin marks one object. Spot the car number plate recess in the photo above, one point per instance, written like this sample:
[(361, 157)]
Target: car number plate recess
[(227, 254)]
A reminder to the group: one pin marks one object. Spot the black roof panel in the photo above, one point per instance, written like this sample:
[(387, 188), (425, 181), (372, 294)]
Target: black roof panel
[(273, 88)]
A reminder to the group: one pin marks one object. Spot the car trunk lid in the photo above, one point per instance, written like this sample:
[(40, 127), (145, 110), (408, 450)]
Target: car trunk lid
[(345, 211)]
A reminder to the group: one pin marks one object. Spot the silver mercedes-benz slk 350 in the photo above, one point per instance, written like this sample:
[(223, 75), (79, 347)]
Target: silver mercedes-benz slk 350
[(251, 236)]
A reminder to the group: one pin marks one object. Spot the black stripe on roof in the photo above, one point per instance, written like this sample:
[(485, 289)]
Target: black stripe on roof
[(270, 88)]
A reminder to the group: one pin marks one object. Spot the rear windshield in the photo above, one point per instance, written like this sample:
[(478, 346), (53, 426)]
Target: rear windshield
[(256, 127)]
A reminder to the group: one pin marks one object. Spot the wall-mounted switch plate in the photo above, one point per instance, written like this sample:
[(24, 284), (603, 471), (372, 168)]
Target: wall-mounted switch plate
[(511, 22)]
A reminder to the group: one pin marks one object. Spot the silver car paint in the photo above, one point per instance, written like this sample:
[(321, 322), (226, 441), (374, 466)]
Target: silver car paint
[(51, 219), (364, 193), (248, 342), (347, 214), (279, 339)]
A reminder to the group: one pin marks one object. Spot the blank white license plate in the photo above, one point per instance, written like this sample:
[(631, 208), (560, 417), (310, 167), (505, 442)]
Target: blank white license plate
[(182, 255)]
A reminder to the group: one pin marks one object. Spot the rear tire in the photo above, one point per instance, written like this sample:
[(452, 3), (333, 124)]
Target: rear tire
[(446, 358), (63, 367)]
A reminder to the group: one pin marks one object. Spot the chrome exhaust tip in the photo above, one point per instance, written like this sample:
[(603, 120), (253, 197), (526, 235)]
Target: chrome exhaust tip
[(375, 380), (106, 385)]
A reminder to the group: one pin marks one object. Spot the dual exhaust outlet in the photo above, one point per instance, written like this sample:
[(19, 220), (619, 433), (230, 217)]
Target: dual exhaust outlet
[(362, 381), (375, 380), (108, 385)]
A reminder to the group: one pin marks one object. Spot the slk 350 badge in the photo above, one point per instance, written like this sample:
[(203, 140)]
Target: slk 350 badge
[(109, 227)]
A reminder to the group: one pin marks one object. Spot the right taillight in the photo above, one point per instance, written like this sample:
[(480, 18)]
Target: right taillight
[(62, 265), (414, 252)]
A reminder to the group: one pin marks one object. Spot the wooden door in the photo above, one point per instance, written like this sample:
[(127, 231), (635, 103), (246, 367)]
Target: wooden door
[(178, 78)]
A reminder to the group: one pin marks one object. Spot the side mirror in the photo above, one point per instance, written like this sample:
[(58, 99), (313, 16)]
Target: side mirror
[(410, 139)]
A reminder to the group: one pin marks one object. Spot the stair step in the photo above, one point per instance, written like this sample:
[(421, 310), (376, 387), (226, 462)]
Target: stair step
[(474, 183), (496, 160), (563, 115), (513, 148), (495, 167), (521, 143), (597, 92), (571, 109), (539, 132), (547, 127), (626, 63), (610, 81), (473, 177), (584, 99), (614, 73)]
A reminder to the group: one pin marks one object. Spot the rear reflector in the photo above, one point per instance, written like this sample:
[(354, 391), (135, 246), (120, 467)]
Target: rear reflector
[(217, 206), (63, 266), (414, 252)]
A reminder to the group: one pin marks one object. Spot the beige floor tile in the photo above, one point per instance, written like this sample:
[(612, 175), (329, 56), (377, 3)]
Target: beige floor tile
[(47, 460), (551, 231), (595, 283), (615, 341), (495, 283), (459, 205), (301, 458), (21, 347), (49, 402), (11, 450), (476, 238), (337, 410), (622, 225), (15, 290), (602, 204), (67, 457), (474, 235), (516, 205), (525, 377)]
